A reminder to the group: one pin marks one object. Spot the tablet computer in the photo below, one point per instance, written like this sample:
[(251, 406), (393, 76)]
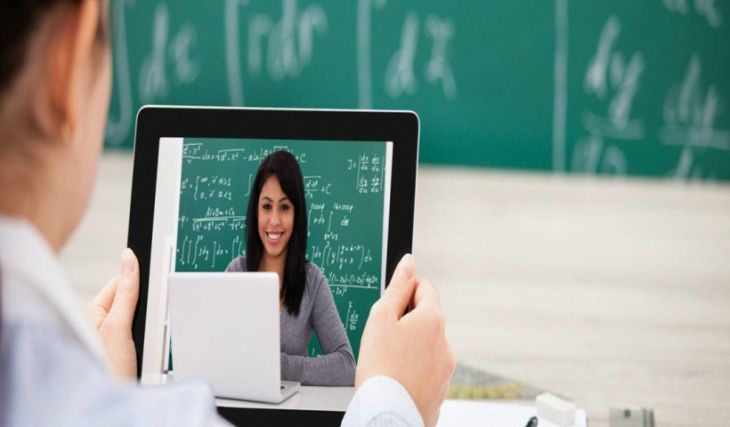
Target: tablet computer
[(194, 169)]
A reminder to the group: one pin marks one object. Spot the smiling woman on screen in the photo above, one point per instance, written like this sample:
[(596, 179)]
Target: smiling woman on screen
[(276, 241)]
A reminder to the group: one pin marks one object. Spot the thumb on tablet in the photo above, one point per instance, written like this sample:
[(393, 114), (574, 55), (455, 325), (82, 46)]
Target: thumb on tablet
[(113, 312), (127, 292), (402, 285)]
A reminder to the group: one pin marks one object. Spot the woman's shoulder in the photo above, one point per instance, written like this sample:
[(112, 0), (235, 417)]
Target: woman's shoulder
[(315, 277), (237, 264)]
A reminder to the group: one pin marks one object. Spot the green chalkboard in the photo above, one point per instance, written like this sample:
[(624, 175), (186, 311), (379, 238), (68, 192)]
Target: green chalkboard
[(345, 187), (612, 87), (647, 88)]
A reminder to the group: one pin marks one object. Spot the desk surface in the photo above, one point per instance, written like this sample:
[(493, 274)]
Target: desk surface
[(610, 292), (314, 398), (307, 398)]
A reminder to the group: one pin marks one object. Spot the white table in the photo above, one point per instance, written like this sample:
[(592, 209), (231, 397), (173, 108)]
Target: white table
[(316, 398), (307, 398)]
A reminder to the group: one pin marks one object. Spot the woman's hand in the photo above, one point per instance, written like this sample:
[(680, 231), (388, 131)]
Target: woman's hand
[(112, 311), (410, 348)]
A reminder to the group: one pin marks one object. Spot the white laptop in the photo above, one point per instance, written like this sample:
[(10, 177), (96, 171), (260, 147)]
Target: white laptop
[(224, 328)]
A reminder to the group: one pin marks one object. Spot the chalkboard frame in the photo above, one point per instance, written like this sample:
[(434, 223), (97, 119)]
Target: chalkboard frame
[(402, 128)]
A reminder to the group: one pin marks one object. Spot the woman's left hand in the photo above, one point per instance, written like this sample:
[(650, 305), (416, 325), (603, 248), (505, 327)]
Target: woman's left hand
[(112, 311)]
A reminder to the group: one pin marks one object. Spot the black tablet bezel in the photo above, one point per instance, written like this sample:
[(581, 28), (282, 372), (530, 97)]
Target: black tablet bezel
[(155, 122)]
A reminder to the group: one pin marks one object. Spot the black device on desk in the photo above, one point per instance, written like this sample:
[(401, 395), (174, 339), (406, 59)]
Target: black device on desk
[(532, 422)]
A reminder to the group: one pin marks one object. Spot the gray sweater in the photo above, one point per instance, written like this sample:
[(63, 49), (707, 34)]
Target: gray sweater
[(319, 313)]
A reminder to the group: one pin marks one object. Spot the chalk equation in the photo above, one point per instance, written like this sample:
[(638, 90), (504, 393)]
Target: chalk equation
[(477, 73), (620, 95), (278, 45), (614, 77), (706, 9), (690, 114), (370, 173)]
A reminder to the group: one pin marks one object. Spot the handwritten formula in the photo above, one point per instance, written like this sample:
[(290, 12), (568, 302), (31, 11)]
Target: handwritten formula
[(615, 88)]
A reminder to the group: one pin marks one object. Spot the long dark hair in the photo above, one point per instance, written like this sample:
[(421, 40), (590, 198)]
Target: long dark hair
[(18, 20), (285, 168)]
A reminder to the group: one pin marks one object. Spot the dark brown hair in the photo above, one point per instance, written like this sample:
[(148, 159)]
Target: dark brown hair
[(285, 168), (18, 21)]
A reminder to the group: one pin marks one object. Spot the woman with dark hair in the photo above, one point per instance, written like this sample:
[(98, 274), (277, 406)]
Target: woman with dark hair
[(59, 368), (276, 241)]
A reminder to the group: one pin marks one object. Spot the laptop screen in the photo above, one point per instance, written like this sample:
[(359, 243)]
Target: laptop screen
[(203, 190)]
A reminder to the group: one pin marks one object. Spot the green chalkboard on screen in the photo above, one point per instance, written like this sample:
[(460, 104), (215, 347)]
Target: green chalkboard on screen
[(345, 188), (614, 87)]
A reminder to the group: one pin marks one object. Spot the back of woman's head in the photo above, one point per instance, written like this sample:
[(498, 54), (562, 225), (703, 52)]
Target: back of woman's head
[(20, 19), (30, 33), (55, 78), (285, 168)]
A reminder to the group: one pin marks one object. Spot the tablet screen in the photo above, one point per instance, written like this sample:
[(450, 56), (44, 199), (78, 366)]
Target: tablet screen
[(202, 195)]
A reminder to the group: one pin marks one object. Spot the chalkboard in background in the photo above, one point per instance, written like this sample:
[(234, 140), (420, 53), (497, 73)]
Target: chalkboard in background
[(619, 87), (345, 188)]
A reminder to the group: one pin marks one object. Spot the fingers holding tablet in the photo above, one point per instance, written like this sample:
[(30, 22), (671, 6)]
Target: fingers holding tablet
[(400, 291), (112, 311), (413, 349)]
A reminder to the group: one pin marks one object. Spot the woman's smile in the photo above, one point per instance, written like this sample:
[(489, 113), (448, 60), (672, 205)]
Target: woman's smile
[(275, 217), (274, 236)]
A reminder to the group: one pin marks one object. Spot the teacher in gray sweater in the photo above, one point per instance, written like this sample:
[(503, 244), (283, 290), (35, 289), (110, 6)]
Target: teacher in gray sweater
[(276, 240)]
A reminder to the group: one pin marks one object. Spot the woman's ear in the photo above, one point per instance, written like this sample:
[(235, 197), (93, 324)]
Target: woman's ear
[(70, 70)]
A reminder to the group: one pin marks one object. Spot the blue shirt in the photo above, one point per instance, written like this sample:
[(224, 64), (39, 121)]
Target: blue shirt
[(53, 369)]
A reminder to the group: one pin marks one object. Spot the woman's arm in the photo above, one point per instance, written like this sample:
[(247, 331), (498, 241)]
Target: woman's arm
[(336, 367)]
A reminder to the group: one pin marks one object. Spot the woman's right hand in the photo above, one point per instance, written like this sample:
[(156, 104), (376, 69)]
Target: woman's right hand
[(410, 348)]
